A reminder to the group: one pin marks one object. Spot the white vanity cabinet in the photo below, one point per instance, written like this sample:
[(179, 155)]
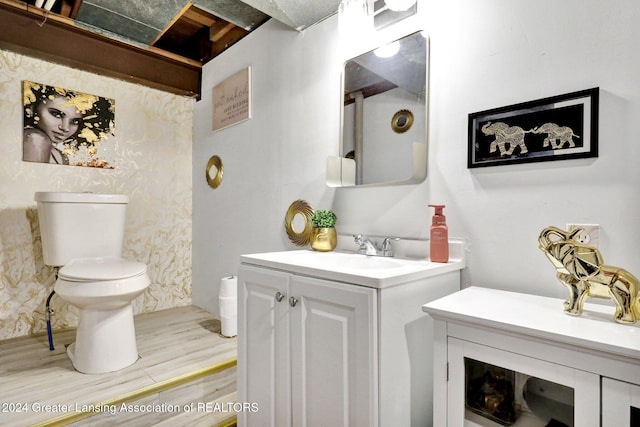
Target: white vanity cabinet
[(305, 350), (502, 356), (334, 352)]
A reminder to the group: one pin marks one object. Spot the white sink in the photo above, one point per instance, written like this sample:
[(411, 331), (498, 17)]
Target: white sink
[(341, 260), (371, 271)]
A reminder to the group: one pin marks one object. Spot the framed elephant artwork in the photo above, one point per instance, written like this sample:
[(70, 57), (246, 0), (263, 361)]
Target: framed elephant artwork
[(556, 128)]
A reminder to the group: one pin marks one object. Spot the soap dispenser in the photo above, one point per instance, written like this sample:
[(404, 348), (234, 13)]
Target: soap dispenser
[(439, 236)]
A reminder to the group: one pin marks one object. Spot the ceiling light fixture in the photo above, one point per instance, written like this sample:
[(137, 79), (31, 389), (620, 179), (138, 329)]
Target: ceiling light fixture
[(354, 16)]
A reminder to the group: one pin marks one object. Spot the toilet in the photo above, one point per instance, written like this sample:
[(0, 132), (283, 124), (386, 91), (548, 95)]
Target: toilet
[(83, 234)]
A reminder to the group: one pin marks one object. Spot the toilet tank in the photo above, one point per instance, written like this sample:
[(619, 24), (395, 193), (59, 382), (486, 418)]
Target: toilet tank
[(78, 225)]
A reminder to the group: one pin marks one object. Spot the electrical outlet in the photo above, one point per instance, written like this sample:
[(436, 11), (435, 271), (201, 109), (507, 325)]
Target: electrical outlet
[(590, 236)]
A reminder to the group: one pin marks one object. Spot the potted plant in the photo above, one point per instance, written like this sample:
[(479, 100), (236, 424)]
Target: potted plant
[(323, 233)]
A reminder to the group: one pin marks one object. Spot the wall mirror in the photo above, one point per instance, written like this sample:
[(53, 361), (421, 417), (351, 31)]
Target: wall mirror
[(384, 117)]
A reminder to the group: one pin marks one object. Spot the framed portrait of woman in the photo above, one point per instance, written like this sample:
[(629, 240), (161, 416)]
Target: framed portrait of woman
[(66, 127)]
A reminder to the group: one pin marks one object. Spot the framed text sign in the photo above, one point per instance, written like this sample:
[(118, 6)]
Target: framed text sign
[(232, 100)]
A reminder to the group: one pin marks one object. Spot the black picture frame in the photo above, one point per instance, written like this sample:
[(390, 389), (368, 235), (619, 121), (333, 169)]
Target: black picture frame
[(556, 128)]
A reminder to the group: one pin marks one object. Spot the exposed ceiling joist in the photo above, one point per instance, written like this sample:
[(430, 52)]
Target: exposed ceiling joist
[(117, 38), (58, 40), (219, 30)]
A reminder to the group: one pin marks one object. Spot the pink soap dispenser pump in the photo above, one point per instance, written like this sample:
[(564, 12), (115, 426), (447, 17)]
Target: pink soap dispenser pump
[(439, 236)]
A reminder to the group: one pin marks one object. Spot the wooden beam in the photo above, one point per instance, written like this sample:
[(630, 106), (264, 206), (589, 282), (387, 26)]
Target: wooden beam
[(34, 32), (173, 21), (228, 40), (370, 90), (219, 30), (200, 16), (75, 9), (65, 8)]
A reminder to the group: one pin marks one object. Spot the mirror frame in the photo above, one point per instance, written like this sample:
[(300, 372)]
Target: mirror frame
[(340, 169)]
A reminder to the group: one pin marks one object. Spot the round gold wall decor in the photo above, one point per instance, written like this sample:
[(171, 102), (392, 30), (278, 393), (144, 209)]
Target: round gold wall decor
[(214, 172), (402, 121), (302, 208)]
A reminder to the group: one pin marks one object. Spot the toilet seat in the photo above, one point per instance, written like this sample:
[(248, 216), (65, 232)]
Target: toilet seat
[(102, 269), (101, 278)]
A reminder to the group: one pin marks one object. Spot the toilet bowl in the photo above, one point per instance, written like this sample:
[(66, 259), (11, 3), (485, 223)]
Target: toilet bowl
[(102, 289), (83, 233)]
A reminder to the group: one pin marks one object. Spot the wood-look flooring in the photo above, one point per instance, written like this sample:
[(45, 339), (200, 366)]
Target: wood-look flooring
[(38, 385)]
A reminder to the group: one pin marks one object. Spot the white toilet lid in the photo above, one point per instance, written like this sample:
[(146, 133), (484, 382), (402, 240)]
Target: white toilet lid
[(105, 268)]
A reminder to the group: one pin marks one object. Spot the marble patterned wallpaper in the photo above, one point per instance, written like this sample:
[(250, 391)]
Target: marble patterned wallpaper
[(152, 155)]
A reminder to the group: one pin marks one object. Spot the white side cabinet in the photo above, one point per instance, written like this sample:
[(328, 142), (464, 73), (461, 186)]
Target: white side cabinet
[(620, 403), (503, 358), (320, 352)]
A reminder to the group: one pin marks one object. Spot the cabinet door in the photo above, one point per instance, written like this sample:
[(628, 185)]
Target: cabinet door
[(263, 347), (333, 354), (620, 404), (488, 386)]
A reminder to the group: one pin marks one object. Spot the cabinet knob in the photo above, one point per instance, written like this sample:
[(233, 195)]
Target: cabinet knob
[(293, 301), (279, 296)]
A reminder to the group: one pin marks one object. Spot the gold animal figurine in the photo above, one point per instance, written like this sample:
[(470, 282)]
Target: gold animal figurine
[(582, 270)]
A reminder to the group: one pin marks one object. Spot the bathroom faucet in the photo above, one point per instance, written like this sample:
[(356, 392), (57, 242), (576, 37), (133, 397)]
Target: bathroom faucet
[(368, 247)]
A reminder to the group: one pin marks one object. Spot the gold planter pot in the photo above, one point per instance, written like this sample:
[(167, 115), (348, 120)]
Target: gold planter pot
[(324, 239)]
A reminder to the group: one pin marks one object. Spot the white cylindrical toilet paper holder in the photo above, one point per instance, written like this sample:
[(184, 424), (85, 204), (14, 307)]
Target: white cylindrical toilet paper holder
[(228, 304)]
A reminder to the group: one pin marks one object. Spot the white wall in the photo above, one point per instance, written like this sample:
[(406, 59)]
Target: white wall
[(383, 145), (483, 55)]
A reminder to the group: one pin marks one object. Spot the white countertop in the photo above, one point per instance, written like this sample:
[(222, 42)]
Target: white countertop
[(374, 272), (541, 317)]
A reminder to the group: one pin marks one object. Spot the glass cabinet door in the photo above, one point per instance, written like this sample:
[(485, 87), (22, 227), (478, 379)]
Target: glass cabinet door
[(490, 387), (620, 404)]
